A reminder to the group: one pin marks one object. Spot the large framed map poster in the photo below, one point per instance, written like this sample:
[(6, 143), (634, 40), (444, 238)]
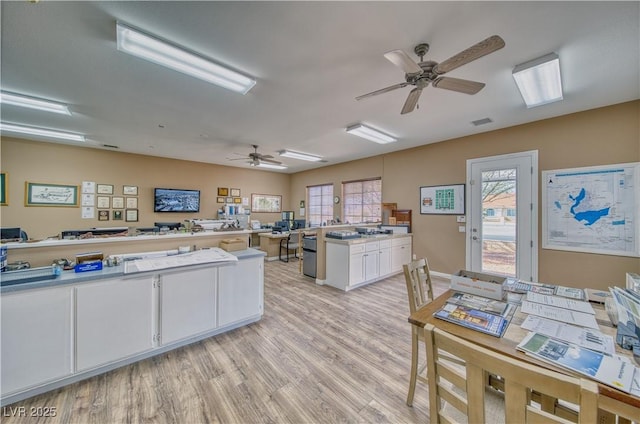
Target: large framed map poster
[(593, 209)]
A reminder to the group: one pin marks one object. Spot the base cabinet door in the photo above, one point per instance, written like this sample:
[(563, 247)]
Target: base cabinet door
[(240, 290), (114, 320), (36, 337), (400, 253), (187, 303), (385, 261)]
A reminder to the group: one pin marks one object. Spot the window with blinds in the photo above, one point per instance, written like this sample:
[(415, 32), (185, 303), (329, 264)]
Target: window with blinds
[(320, 204), (362, 201)]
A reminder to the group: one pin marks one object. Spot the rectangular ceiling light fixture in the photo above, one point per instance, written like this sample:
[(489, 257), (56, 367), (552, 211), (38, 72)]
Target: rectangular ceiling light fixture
[(270, 166), (134, 42), (40, 132), (33, 103), (301, 156), (370, 134), (539, 80)]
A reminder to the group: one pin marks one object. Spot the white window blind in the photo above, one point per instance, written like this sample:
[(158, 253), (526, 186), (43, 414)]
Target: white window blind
[(320, 204), (362, 201)]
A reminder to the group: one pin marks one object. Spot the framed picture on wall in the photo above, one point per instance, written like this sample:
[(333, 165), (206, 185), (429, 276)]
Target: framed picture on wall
[(266, 203), (442, 200), (105, 189), (38, 194), (103, 202), (131, 215), (235, 192), (130, 190), (132, 203), (223, 191), (117, 215), (117, 202), (220, 200), (103, 215)]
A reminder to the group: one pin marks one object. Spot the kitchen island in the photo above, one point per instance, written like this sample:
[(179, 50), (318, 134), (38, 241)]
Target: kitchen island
[(355, 262), (78, 325)]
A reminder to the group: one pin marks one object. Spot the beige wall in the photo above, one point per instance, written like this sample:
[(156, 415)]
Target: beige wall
[(54, 163), (597, 137)]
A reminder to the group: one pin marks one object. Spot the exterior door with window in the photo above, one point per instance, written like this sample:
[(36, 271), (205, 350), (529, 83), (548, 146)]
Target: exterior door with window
[(502, 211)]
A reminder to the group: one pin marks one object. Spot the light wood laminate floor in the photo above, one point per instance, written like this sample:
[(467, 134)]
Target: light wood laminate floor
[(319, 355)]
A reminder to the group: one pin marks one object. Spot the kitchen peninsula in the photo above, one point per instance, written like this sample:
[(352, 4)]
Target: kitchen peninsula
[(78, 325)]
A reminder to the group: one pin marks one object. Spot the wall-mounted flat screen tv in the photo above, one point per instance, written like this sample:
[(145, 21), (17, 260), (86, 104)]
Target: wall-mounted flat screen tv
[(176, 200)]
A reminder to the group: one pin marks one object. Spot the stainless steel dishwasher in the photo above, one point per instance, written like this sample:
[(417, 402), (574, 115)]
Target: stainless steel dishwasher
[(309, 248)]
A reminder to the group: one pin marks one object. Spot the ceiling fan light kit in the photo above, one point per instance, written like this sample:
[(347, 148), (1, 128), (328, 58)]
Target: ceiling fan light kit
[(16, 99), (370, 134), (539, 80), (299, 155), (160, 52), (40, 132), (421, 74)]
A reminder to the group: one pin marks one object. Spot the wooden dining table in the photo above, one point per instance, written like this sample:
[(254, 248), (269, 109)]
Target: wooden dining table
[(506, 345)]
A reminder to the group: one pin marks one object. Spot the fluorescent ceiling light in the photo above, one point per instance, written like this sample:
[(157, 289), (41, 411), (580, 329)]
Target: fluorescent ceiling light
[(134, 42), (33, 103), (40, 132), (269, 165), (539, 80), (301, 156), (370, 134)]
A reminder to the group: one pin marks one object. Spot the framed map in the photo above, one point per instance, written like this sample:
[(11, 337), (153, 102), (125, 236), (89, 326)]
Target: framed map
[(593, 209), (442, 200)]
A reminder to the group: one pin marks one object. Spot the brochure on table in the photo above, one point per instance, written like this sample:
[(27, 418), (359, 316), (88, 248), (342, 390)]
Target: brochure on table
[(610, 370), (484, 322), (561, 302), (559, 314)]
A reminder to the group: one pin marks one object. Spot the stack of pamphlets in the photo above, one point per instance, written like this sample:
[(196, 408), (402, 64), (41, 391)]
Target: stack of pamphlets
[(517, 286), (477, 313), (613, 371)]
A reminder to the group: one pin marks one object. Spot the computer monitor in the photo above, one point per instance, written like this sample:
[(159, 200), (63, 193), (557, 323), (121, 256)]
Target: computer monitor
[(298, 224), (283, 225), (11, 233)]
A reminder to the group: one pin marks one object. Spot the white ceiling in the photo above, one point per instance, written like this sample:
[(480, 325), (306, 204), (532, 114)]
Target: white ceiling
[(310, 60)]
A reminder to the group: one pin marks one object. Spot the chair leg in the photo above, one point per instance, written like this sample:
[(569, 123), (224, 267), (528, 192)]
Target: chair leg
[(414, 367)]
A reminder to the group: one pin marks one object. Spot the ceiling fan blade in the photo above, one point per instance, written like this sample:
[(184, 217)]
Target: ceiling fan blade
[(474, 52), (412, 100), (403, 61), (237, 158), (457, 84), (383, 90), (265, 156)]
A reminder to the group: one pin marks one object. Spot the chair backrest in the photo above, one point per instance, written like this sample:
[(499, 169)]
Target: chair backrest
[(463, 386), (418, 279)]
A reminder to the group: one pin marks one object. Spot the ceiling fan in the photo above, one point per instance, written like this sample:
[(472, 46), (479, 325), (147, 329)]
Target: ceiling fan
[(428, 72), (254, 158)]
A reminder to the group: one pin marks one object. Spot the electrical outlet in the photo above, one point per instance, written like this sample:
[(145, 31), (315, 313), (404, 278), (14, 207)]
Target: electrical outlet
[(462, 229), (461, 218)]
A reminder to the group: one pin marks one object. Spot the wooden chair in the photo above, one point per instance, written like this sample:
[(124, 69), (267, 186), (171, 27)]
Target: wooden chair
[(464, 389), (418, 279), (288, 244)]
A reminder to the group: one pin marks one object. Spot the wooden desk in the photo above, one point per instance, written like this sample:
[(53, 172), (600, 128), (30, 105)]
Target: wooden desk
[(507, 344)]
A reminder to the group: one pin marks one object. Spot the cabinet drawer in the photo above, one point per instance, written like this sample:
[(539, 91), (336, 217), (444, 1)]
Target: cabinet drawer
[(372, 246), (401, 241), (356, 248)]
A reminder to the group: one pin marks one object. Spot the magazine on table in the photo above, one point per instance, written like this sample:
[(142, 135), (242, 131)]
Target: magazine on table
[(474, 319), (583, 337), (481, 303), (610, 370)]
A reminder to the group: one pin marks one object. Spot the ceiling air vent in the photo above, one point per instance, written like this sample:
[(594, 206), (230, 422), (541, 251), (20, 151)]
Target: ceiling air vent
[(481, 121)]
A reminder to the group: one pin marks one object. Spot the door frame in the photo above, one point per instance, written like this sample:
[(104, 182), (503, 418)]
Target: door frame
[(533, 154)]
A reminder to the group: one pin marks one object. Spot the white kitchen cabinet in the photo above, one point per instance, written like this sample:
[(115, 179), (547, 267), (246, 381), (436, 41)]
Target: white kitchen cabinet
[(350, 264), (240, 291), (371, 260), (187, 303), (384, 259), (36, 337), (114, 320), (400, 253)]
